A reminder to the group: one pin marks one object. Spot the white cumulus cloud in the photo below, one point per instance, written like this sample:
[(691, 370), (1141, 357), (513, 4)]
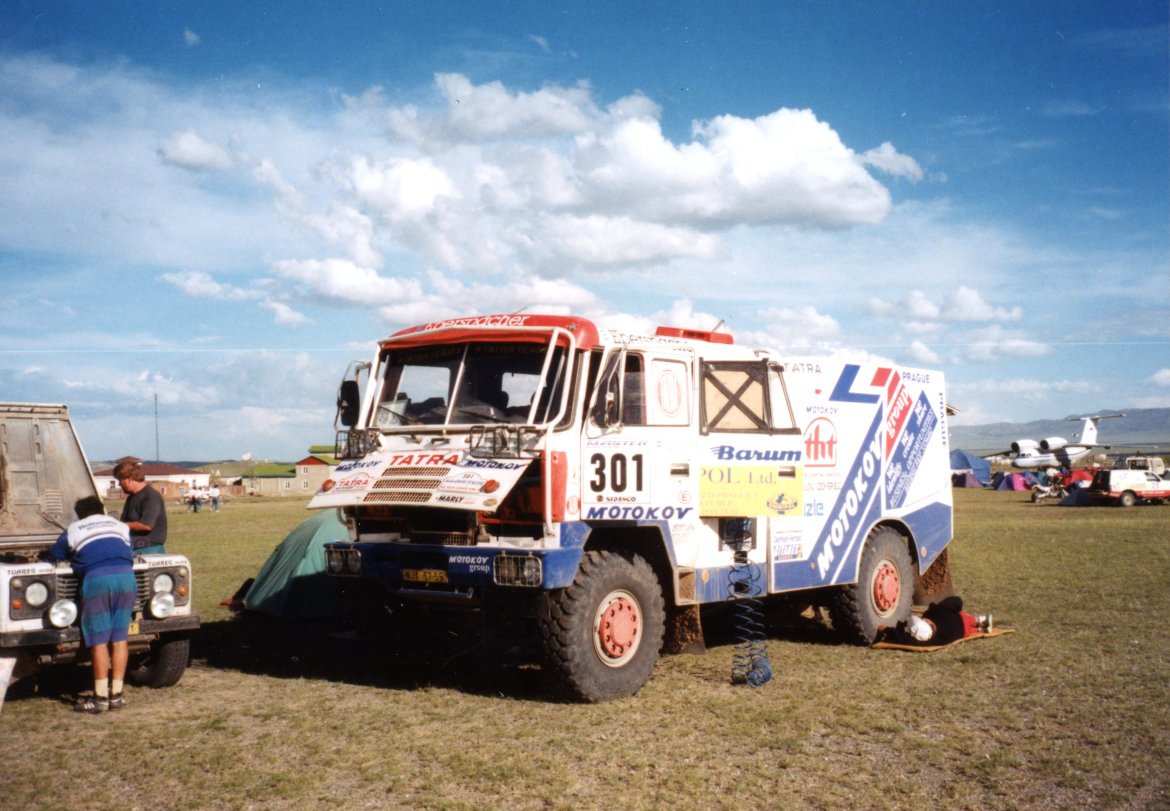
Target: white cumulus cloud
[(189, 150)]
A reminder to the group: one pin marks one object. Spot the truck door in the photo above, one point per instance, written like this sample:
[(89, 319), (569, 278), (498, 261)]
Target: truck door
[(752, 475), (638, 444)]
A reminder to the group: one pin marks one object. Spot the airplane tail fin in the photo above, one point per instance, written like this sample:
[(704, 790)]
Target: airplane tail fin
[(1089, 432)]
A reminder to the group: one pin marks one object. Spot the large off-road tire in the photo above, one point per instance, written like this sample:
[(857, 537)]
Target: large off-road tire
[(164, 665), (882, 595), (602, 635)]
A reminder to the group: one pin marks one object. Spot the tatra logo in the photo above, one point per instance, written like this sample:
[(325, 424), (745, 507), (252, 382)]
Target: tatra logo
[(820, 443), (357, 481), (424, 459)]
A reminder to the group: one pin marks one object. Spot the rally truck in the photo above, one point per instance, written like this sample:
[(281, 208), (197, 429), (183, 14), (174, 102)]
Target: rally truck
[(591, 485), (43, 473)]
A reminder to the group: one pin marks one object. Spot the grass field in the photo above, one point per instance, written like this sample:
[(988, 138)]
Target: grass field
[(1071, 711)]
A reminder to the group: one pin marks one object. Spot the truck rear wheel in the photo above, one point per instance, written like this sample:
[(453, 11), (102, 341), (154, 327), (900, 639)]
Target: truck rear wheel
[(602, 634), (882, 595), (163, 666)]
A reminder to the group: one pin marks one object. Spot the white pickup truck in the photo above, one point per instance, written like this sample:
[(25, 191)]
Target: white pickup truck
[(1127, 487)]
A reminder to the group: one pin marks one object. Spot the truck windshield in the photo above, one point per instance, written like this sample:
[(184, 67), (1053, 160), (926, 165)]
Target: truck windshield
[(473, 383)]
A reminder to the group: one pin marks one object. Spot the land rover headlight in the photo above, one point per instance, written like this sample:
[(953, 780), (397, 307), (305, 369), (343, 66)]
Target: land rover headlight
[(63, 613), (162, 605), (163, 583), (36, 595)]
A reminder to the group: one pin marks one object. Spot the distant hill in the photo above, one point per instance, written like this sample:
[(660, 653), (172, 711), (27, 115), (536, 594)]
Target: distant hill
[(1139, 428)]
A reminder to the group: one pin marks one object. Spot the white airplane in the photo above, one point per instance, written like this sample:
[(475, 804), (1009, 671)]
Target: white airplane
[(1055, 451)]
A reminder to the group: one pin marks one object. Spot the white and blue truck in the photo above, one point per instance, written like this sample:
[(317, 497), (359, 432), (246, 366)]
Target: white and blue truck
[(593, 485)]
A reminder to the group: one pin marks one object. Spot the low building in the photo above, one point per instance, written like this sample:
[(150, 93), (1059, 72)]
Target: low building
[(171, 481), (268, 479), (314, 469)]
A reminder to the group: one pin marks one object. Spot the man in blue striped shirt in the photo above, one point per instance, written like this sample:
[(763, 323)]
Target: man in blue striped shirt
[(99, 548)]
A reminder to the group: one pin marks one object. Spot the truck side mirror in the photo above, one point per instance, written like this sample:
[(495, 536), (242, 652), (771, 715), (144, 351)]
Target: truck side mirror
[(348, 403)]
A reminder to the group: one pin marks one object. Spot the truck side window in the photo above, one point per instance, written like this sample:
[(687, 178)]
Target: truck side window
[(634, 391), (783, 418), (627, 399), (745, 397)]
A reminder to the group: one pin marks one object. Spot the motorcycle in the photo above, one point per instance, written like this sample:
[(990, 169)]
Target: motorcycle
[(1053, 489)]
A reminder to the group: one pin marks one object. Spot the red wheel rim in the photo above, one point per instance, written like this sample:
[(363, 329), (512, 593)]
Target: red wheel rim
[(618, 628), (887, 587)]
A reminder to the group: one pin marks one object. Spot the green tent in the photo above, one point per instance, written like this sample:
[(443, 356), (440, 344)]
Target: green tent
[(292, 583)]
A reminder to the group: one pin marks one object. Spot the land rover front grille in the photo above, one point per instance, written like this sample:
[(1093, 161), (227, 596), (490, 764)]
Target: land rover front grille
[(67, 587)]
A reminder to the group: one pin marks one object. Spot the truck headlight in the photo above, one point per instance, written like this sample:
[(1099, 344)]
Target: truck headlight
[(517, 570), (353, 561), (334, 561), (162, 605), (63, 613)]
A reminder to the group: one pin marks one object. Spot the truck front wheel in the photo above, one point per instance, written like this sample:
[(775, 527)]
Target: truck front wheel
[(882, 595), (1127, 499), (164, 664), (602, 634)]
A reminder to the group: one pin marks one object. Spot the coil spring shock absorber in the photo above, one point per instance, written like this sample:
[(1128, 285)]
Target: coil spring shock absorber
[(749, 664)]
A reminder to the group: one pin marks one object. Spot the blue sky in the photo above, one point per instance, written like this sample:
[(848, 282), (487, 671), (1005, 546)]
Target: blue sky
[(220, 204)]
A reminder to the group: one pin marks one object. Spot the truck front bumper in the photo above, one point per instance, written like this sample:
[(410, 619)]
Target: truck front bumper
[(451, 574), (147, 630)]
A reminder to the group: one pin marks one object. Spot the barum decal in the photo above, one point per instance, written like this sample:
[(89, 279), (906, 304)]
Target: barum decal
[(911, 447), (730, 453), (854, 508), (820, 443)]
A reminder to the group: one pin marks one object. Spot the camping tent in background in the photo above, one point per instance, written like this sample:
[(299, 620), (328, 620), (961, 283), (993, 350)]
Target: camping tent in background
[(963, 462), (1011, 481), (967, 479), (292, 583)]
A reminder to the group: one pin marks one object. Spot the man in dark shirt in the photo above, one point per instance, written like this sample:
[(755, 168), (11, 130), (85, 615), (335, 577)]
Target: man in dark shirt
[(144, 511)]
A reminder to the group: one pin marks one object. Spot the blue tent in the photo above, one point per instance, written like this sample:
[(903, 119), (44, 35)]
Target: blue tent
[(961, 462)]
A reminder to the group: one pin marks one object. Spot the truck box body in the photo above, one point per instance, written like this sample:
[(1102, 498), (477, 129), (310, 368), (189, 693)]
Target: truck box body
[(493, 454)]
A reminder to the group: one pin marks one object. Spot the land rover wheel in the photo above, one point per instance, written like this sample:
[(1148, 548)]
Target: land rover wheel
[(881, 597), (601, 635), (164, 664), (1127, 499)]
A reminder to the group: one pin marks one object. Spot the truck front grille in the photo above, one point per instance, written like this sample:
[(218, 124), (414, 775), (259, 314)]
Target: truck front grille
[(406, 485)]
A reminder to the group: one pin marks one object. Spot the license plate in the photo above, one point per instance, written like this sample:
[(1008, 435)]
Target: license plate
[(424, 575), (134, 628)]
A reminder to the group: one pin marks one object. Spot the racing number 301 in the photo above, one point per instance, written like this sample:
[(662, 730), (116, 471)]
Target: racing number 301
[(612, 473)]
